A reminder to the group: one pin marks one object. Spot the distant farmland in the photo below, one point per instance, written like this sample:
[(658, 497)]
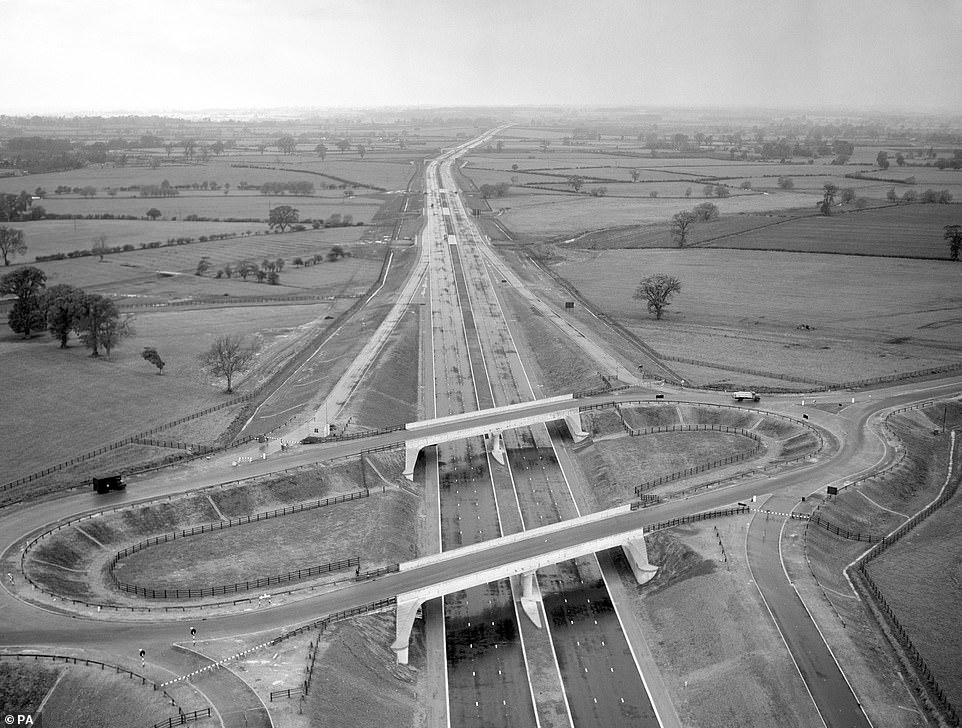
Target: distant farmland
[(898, 230)]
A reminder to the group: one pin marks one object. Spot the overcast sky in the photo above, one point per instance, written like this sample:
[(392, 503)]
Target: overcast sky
[(183, 55)]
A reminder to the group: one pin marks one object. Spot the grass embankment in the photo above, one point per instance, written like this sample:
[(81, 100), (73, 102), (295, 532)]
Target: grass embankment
[(717, 648), (912, 575), (919, 576), (616, 465), (371, 529), (88, 696), (388, 394), (358, 683), (556, 362), (23, 686), (376, 529)]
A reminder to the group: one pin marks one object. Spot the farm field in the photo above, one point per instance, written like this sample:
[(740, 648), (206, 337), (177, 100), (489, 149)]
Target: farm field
[(898, 230), (236, 205), (388, 173), (744, 309), (46, 237), (146, 272), (96, 401)]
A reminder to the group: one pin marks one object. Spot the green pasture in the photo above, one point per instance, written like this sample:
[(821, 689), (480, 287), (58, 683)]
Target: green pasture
[(866, 317), (46, 237), (211, 204), (146, 272), (910, 230), (77, 403)]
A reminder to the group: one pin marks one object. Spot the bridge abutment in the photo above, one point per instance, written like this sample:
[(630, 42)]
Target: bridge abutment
[(637, 554)]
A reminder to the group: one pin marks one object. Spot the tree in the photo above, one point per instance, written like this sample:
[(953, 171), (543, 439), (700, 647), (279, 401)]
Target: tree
[(246, 268), (153, 213), (706, 211), (150, 354), (11, 243), (114, 329), (680, 222), (321, 151), (721, 191), (361, 149), (100, 245), (227, 357), (882, 160), (286, 144), (283, 216), (656, 290), (786, 183), (900, 159), (61, 305), (708, 190), (336, 253), (828, 198), (848, 195), (203, 265), (344, 145), (953, 234), (544, 145), (99, 323), (575, 182), (892, 195), (27, 285), (635, 175), (189, 146)]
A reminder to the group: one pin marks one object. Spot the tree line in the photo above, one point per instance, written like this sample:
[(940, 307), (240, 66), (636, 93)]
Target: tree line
[(63, 310)]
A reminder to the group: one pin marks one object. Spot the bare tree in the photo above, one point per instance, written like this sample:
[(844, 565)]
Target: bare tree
[(11, 243), (657, 289), (100, 245), (229, 356), (680, 222)]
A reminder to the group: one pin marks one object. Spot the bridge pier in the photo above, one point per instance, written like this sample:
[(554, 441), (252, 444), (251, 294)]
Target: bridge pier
[(530, 597), (637, 554), (496, 445)]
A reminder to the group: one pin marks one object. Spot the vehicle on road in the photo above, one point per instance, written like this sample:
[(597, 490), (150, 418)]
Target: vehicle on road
[(108, 483), (741, 396)]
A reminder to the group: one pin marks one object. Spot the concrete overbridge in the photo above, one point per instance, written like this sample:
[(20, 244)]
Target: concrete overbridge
[(490, 424), (520, 555)]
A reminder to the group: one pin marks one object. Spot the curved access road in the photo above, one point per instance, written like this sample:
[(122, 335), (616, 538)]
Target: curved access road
[(23, 624)]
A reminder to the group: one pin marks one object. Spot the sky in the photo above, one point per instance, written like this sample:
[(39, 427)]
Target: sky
[(102, 56)]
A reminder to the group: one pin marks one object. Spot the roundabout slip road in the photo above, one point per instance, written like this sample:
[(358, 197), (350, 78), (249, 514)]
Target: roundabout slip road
[(24, 625)]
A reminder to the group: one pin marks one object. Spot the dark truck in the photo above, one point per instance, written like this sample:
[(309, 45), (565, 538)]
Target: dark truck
[(111, 482)]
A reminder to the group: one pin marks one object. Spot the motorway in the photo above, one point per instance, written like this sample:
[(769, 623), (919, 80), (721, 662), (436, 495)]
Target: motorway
[(470, 373)]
